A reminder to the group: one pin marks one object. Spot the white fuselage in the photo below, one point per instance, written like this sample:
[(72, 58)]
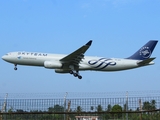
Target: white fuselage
[(88, 63)]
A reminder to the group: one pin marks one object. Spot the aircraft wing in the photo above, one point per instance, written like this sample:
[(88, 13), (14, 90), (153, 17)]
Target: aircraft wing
[(75, 57)]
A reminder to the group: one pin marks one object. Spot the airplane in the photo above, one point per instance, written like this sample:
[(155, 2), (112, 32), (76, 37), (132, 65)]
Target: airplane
[(77, 61)]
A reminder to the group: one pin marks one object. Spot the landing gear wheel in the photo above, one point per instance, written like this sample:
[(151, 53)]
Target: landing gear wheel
[(15, 68), (71, 72), (80, 77), (75, 74)]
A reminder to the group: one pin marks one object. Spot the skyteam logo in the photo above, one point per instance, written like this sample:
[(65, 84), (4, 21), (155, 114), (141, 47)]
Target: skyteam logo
[(145, 52), (102, 63), (19, 57)]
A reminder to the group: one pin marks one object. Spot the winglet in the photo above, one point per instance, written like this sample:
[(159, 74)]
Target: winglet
[(89, 43)]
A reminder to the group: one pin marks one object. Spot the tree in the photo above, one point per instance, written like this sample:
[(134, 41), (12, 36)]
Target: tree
[(124, 107), (56, 108), (153, 104), (10, 110), (149, 105), (79, 109), (109, 108), (146, 105), (20, 111), (99, 108), (92, 108), (117, 108)]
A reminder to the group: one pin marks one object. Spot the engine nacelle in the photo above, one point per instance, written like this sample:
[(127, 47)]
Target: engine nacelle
[(61, 71), (52, 64)]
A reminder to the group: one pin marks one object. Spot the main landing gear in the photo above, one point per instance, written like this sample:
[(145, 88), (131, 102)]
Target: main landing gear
[(15, 68), (76, 74)]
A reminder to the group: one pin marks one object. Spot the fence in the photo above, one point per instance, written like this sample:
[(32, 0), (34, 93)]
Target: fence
[(69, 108)]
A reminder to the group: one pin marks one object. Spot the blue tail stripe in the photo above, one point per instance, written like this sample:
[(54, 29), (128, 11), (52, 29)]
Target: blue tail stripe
[(145, 51)]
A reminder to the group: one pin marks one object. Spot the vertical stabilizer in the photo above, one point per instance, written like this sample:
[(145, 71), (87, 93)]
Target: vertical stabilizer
[(145, 51)]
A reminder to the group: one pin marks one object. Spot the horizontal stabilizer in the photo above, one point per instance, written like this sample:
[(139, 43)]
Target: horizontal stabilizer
[(147, 61)]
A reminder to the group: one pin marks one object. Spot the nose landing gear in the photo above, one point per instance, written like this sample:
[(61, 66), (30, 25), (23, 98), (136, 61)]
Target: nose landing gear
[(15, 68)]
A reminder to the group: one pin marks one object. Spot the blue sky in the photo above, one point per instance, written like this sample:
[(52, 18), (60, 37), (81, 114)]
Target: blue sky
[(118, 28)]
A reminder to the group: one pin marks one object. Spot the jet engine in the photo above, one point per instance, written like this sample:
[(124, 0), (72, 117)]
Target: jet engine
[(61, 71), (52, 64)]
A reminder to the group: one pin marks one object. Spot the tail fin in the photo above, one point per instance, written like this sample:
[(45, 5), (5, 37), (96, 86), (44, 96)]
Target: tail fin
[(144, 52)]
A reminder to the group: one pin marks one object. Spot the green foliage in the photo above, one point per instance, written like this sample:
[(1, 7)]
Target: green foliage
[(79, 109), (116, 108), (149, 105), (92, 108), (109, 108), (99, 108), (56, 108)]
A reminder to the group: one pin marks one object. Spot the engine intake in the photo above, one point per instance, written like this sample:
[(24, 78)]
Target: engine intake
[(52, 64)]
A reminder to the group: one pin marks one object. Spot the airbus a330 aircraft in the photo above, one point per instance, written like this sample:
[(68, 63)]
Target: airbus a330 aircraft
[(76, 61)]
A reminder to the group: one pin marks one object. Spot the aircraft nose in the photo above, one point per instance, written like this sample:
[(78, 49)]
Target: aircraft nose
[(4, 57)]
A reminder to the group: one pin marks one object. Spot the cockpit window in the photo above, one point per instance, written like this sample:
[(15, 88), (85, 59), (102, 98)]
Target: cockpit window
[(8, 54)]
